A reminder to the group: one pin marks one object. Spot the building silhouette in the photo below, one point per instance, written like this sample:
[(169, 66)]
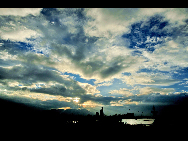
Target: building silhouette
[(154, 112), (101, 112), (97, 114), (130, 115)]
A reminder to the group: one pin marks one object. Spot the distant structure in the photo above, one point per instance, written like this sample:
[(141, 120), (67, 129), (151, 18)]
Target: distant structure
[(97, 114), (154, 112), (130, 115), (101, 112)]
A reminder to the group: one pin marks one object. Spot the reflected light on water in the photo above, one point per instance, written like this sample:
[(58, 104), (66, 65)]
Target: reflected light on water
[(138, 121)]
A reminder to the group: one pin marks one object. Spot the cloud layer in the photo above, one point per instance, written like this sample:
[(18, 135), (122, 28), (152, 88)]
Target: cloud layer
[(104, 57)]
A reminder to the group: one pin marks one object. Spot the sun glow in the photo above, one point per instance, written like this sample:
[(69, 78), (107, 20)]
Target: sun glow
[(76, 99)]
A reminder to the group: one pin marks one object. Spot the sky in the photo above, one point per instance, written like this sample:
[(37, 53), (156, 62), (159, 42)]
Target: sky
[(125, 60)]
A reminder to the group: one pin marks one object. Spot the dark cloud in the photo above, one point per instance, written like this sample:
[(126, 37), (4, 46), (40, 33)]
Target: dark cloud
[(90, 68), (158, 99), (55, 31), (48, 104), (14, 48), (104, 100), (114, 68), (8, 62), (53, 90), (76, 90), (33, 74), (29, 74), (36, 59)]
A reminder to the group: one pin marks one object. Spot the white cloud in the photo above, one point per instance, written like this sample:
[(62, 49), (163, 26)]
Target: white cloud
[(123, 91), (109, 22), (137, 79), (144, 78), (151, 90), (71, 22), (108, 83), (18, 35), (104, 62), (14, 30), (173, 53), (176, 93), (99, 61), (123, 102), (19, 11), (115, 51), (89, 88), (6, 56), (153, 39), (36, 96), (90, 104), (174, 15), (151, 11)]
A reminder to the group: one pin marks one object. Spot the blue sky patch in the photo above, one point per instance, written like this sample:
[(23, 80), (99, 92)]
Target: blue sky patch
[(78, 78), (153, 29)]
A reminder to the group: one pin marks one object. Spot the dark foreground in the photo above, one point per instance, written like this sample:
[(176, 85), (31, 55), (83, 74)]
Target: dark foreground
[(19, 118)]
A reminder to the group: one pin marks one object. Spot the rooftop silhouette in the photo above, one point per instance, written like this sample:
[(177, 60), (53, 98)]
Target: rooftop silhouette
[(15, 114)]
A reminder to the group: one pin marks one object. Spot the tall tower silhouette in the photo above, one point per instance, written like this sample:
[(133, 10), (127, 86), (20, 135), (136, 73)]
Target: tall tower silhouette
[(101, 112), (154, 112)]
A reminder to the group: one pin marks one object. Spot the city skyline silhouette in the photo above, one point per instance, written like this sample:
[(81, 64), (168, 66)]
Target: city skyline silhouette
[(94, 67)]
